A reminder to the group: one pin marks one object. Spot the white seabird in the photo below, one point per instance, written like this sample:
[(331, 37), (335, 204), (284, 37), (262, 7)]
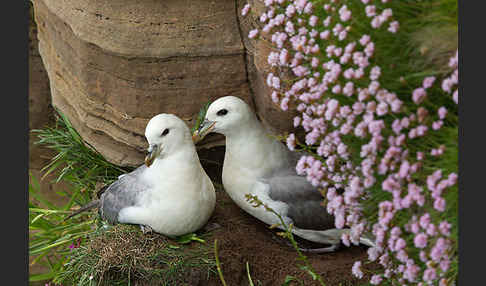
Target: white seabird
[(171, 194), (259, 165)]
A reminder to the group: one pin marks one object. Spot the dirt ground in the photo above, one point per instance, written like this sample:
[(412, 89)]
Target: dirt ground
[(242, 238)]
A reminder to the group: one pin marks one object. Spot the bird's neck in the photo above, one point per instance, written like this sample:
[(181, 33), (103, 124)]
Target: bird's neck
[(178, 160), (252, 149)]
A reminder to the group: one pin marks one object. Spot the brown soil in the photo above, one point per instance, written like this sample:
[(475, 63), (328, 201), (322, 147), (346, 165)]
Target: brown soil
[(242, 238)]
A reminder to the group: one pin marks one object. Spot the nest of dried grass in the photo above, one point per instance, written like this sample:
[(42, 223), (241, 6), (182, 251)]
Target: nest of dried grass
[(122, 255)]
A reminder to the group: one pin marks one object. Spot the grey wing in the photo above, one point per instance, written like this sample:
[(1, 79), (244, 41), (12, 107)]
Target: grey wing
[(122, 193), (303, 199)]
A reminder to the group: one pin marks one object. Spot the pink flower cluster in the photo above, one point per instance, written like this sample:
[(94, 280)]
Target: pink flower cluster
[(342, 67), (450, 82)]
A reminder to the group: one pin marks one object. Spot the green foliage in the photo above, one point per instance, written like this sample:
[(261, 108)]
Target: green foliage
[(200, 116), (81, 166), (218, 264), (50, 237), (79, 163)]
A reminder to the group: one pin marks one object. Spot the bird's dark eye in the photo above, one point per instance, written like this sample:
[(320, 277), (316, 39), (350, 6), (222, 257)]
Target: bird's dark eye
[(222, 112), (166, 131)]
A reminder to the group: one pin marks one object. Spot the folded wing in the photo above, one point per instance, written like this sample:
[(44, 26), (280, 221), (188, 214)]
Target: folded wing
[(121, 194)]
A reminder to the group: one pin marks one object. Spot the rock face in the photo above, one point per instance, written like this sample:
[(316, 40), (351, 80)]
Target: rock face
[(39, 94), (258, 68), (113, 64)]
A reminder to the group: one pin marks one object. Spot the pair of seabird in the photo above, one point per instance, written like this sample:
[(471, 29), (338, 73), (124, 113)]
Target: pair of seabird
[(173, 195)]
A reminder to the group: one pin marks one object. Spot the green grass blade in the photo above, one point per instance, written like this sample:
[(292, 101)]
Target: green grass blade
[(41, 277)]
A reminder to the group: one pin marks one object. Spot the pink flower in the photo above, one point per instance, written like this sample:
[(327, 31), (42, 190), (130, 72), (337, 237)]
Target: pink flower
[(291, 142), (423, 256), (393, 28), (290, 10), (429, 274), (370, 10), (324, 35), (436, 125), (273, 58), (253, 33), (424, 220), (384, 259), (420, 240), (268, 2), (377, 22), (369, 49), (442, 112), (402, 256), (348, 89), (411, 272), (245, 9), (419, 95), (455, 97), (440, 204), (375, 73), (297, 121), (444, 265), (373, 253), (356, 270), (428, 82), (339, 222), (382, 109), (400, 244), (364, 40), (284, 104), (376, 279), (274, 96), (447, 85), (263, 17), (431, 230), (421, 129), (438, 251), (345, 239), (313, 20), (387, 13), (308, 8), (444, 228), (344, 13)]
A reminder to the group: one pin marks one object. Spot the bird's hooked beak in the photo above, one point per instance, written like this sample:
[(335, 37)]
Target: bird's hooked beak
[(204, 129), (152, 152)]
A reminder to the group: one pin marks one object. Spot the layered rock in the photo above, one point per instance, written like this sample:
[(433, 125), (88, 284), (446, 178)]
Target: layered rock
[(258, 68), (39, 94), (113, 64)]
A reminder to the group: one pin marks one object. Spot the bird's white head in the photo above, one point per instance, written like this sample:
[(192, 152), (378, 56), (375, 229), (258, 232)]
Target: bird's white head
[(166, 134), (226, 115)]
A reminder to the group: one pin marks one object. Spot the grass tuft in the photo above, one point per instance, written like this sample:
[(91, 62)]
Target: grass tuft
[(122, 254), (79, 163)]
